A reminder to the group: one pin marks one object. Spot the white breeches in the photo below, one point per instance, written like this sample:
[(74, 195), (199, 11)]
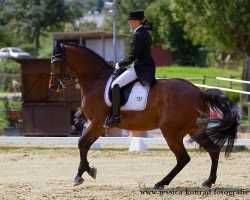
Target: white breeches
[(125, 78)]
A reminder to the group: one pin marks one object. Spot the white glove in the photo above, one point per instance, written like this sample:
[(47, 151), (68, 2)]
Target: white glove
[(117, 66)]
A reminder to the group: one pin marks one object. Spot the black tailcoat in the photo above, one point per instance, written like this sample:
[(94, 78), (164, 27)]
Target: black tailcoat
[(141, 56)]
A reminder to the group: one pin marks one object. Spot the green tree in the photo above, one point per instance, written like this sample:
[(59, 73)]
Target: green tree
[(91, 5), (29, 18), (87, 26), (123, 8), (221, 24), (169, 33), (161, 17)]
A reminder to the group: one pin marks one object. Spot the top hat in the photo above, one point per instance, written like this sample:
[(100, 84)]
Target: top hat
[(139, 14)]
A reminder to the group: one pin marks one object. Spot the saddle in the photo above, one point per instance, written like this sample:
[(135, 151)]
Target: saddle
[(133, 96)]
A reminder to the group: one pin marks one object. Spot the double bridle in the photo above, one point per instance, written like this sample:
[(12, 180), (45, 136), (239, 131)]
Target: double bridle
[(63, 79), (66, 80)]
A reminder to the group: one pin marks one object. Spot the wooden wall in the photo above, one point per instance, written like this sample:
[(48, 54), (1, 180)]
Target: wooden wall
[(161, 56), (45, 113)]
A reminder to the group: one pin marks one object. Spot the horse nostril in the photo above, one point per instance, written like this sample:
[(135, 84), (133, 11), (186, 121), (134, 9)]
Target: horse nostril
[(52, 86)]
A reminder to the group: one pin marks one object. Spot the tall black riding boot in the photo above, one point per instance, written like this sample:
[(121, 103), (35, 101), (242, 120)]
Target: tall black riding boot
[(114, 119)]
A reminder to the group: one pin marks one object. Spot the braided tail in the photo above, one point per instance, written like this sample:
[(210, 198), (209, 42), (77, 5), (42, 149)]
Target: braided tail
[(219, 131)]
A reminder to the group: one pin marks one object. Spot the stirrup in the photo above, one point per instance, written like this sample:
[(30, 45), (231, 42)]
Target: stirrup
[(112, 121)]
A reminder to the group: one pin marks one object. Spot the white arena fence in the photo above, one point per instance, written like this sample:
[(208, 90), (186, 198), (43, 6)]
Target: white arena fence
[(134, 143)]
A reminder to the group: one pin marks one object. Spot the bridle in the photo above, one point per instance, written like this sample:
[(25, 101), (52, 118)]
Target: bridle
[(64, 79), (67, 80)]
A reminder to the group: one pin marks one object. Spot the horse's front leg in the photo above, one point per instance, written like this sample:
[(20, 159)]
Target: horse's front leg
[(92, 133)]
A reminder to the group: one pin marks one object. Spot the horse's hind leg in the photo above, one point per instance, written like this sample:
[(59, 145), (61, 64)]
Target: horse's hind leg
[(182, 157), (214, 153), (212, 177)]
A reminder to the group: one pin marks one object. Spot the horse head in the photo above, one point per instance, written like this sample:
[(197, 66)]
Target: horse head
[(61, 73), (70, 62)]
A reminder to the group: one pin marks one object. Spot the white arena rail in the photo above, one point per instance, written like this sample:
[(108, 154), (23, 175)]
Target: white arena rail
[(232, 80), (134, 143), (221, 88)]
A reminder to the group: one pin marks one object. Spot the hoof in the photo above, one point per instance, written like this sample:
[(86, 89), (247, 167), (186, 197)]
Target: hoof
[(78, 181), (92, 172), (158, 186), (207, 184)]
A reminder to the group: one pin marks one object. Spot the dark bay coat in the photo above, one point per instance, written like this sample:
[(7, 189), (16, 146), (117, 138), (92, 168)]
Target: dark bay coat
[(141, 56)]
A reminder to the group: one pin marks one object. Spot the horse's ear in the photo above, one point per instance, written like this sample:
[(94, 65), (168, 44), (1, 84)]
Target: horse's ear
[(57, 45), (57, 48), (61, 46)]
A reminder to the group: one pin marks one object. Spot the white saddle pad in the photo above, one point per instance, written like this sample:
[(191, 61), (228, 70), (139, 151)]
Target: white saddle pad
[(137, 99)]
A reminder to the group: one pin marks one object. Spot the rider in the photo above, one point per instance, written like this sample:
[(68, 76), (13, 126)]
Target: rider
[(143, 66)]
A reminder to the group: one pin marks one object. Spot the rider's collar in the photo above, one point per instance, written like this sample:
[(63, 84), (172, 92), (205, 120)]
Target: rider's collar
[(137, 28)]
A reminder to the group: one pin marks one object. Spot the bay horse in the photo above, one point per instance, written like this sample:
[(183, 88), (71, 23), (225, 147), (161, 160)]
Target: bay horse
[(175, 106)]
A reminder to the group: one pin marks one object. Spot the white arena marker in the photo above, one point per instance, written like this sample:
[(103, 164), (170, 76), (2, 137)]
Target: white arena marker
[(96, 146), (137, 144)]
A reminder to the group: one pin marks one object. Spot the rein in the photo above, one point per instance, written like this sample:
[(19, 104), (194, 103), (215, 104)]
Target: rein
[(63, 81)]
